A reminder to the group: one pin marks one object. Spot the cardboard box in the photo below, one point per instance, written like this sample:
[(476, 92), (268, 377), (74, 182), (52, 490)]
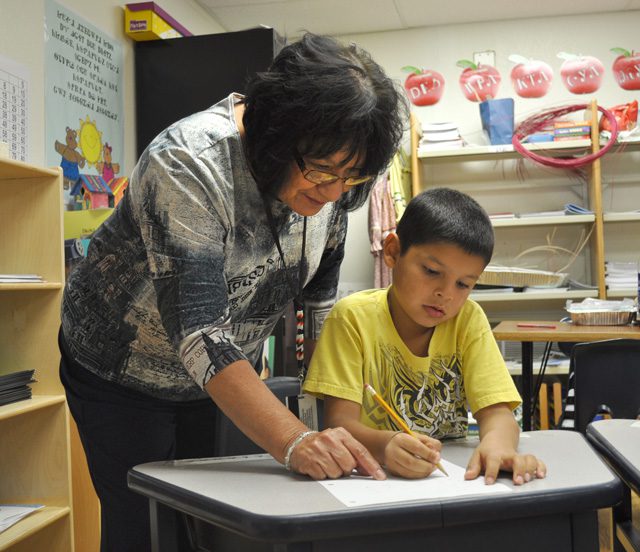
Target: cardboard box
[(148, 21)]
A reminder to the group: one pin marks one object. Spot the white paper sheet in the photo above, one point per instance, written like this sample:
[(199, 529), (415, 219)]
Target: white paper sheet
[(364, 491), (12, 513)]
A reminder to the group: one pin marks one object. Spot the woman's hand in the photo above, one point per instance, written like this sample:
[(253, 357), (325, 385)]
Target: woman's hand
[(413, 457), (331, 454)]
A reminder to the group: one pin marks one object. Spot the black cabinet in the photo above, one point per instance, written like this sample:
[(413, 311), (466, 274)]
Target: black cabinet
[(180, 76)]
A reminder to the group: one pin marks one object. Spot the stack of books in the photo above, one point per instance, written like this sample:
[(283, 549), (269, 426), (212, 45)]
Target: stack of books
[(571, 130), (440, 136), (15, 386), (621, 275)]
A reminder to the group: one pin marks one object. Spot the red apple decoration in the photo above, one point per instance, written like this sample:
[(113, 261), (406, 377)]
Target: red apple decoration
[(531, 78), (581, 74), (626, 69), (423, 86), (478, 82)]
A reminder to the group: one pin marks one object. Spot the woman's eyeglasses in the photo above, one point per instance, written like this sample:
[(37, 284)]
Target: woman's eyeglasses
[(323, 177)]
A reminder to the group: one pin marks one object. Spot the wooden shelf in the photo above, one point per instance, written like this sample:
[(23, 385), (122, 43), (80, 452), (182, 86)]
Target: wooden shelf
[(534, 295), (36, 402), (12, 169), (621, 293), (507, 151), (504, 151), (622, 217), (544, 220), (35, 286)]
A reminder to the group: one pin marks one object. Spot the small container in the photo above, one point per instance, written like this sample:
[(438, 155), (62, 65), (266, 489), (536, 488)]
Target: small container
[(597, 312)]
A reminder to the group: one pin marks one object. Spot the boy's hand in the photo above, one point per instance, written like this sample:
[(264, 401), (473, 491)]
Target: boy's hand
[(490, 457), (413, 457)]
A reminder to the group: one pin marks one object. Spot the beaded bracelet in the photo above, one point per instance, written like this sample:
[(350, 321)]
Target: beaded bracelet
[(296, 442)]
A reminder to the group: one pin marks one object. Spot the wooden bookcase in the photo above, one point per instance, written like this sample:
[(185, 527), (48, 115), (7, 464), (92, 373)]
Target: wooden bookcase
[(35, 465), (479, 170)]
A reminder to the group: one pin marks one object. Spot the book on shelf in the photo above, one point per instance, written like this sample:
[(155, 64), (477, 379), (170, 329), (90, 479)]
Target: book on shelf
[(572, 131), (570, 137), (15, 386), (501, 216), (571, 124), (440, 136), (539, 137), (575, 209), (439, 127)]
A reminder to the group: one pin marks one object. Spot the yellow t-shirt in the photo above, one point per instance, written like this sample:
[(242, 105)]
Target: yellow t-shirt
[(359, 344)]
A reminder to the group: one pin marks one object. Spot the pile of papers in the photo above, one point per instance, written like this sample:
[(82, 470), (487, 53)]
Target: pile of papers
[(440, 136), (15, 386), (620, 275), (12, 513)]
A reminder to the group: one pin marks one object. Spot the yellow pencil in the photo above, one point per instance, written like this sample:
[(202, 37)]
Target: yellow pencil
[(395, 417)]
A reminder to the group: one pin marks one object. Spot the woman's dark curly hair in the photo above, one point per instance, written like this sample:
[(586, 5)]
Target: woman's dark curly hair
[(317, 98)]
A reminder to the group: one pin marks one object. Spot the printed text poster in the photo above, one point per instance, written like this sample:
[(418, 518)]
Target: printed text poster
[(83, 98)]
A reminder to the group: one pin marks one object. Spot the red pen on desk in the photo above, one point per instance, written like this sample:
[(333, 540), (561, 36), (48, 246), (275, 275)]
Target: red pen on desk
[(547, 326)]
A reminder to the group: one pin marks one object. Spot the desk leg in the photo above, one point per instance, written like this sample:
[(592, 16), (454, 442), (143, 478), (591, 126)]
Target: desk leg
[(164, 534), (527, 377)]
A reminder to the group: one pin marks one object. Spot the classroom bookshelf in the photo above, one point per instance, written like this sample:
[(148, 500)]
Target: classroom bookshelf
[(495, 176), (35, 463)]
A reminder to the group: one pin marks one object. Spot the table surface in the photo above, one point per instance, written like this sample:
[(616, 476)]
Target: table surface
[(619, 442), (508, 330), (253, 494)]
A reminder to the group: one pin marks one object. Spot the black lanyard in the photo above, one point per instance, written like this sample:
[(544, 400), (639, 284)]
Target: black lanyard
[(297, 302)]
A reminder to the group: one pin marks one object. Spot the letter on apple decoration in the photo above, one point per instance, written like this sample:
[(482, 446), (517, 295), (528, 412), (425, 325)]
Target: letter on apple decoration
[(626, 69), (530, 78), (581, 74), (423, 86)]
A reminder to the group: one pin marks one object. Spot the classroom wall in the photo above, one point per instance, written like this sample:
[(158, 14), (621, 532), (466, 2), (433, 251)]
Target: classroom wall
[(22, 40), (439, 48)]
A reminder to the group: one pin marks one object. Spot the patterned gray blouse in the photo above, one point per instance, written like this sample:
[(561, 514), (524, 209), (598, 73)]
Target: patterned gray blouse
[(184, 277)]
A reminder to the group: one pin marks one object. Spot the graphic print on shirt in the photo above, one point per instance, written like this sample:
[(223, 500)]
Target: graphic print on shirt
[(188, 250), (430, 401)]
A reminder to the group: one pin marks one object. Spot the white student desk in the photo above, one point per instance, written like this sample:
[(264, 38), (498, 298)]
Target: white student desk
[(255, 505), (619, 443)]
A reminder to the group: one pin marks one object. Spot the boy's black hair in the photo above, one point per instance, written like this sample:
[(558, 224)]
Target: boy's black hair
[(317, 98), (443, 215)]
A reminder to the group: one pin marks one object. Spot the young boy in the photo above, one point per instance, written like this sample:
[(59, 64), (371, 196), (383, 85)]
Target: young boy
[(425, 347)]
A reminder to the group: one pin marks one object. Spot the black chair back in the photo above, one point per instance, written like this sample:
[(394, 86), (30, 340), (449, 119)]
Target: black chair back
[(607, 374)]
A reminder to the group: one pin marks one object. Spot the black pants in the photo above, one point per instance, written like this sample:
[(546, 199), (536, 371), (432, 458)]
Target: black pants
[(119, 429)]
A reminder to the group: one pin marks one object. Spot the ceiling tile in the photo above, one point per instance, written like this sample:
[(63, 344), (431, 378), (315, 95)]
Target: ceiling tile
[(339, 17), (292, 17)]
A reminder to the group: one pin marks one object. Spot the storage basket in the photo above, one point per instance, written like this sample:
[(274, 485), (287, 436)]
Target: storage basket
[(521, 277)]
